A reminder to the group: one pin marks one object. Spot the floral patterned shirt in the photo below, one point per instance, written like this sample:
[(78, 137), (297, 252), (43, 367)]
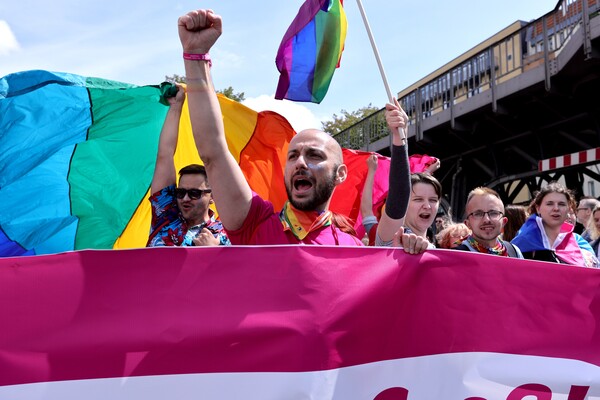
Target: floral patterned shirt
[(169, 228)]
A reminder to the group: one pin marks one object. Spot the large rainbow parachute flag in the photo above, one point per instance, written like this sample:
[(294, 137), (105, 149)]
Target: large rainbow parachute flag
[(77, 156), (311, 50)]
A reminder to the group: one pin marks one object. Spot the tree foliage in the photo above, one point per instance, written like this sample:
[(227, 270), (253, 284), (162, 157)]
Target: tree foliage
[(346, 119), (227, 92), (175, 78)]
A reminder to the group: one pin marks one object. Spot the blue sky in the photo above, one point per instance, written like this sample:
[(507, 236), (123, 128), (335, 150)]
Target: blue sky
[(136, 41)]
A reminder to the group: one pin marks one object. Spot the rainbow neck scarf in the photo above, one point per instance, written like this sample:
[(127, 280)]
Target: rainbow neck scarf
[(499, 249), (301, 223)]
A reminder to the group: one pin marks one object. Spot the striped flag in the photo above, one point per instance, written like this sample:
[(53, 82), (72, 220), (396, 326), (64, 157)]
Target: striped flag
[(77, 156), (311, 50)]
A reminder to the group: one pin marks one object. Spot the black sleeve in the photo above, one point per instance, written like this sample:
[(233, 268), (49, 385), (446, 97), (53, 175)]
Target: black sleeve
[(399, 190)]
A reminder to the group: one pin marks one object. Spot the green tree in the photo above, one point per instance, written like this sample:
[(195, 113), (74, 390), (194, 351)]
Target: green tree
[(227, 92), (340, 122), (175, 78)]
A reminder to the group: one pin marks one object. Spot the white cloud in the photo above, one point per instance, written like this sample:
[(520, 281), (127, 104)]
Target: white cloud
[(8, 41), (299, 116), (228, 59)]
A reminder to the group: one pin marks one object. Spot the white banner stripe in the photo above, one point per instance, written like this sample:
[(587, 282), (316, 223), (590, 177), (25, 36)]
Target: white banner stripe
[(448, 376)]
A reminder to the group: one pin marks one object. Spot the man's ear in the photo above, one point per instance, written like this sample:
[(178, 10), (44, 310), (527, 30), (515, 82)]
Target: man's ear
[(468, 224), (341, 174)]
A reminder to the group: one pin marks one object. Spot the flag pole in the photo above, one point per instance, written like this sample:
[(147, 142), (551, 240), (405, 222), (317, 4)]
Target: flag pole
[(375, 51)]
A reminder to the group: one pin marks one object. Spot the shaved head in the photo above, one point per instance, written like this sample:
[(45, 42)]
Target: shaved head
[(332, 145)]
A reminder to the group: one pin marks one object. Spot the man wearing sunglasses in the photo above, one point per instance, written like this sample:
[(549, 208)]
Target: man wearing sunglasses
[(485, 218), (181, 215)]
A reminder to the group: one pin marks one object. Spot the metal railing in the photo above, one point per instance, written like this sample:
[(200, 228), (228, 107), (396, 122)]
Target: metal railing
[(536, 43)]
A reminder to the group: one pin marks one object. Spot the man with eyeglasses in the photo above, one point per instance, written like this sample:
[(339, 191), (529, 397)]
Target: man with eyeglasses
[(584, 214), (181, 215), (485, 218)]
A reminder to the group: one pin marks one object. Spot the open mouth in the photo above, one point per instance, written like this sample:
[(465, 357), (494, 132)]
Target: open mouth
[(425, 216), (301, 184)]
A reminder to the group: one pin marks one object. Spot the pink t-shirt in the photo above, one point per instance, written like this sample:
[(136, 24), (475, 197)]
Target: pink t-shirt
[(263, 227)]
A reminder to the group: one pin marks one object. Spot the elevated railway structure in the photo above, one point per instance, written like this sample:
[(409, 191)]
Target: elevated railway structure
[(505, 113)]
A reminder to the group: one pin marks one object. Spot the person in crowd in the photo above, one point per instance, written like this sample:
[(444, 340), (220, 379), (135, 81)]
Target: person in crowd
[(425, 194), (442, 221), (546, 237), (181, 215), (398, 225), (485, 217), (516, 215), (314, 165), (584, 214), (452, 236), (594, 229), (412, 243)]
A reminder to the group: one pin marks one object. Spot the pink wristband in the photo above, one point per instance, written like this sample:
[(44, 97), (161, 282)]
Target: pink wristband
[(198, 57)]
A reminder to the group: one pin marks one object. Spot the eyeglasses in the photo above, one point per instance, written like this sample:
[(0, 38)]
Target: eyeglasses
[(583, 208), (193, 194), (493, 214)]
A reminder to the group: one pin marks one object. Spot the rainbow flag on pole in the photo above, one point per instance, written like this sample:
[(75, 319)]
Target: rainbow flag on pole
[(311, 50)]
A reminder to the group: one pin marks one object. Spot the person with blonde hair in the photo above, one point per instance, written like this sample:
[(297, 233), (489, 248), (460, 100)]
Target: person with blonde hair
[(586, 206), (452, 235), (594, 229)]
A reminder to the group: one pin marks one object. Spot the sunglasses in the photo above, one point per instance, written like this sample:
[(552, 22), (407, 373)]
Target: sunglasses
[(193, 194)]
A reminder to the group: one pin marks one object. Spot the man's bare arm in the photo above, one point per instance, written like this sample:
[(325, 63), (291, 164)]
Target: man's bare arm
[(198, 31), (164, 170), (366, 203)]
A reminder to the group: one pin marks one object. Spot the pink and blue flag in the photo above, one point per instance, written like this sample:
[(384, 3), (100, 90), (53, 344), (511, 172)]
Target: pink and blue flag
[(311, 50), (572, 249)]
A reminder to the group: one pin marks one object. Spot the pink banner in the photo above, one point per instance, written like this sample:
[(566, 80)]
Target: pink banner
[(284, 309)]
